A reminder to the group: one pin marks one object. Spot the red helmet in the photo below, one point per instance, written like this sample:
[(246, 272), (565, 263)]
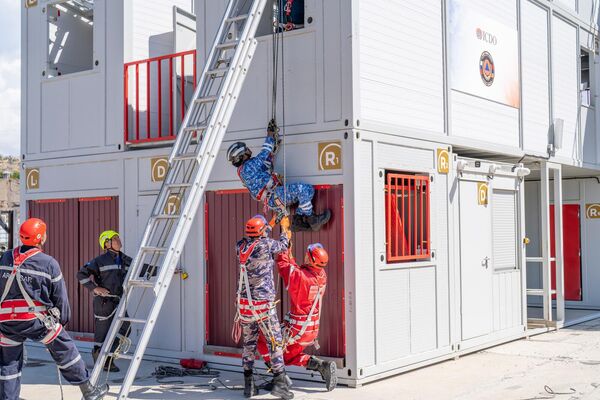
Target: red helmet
[(317, 255), (32, 231), (256, 226)]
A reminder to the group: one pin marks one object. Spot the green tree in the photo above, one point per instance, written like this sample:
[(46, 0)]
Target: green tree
[(15, 175)]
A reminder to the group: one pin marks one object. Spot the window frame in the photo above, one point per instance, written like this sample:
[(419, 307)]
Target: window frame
[(407, 181)]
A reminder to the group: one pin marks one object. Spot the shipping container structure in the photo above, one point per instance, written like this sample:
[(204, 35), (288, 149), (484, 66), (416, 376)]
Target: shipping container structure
[(440, 134)]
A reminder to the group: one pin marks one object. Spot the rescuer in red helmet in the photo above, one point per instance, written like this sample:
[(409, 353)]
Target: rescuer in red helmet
[(306, 287), (34, 305)]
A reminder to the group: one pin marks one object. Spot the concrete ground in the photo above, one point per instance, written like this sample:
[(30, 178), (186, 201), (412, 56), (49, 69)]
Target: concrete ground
[(556, 365)]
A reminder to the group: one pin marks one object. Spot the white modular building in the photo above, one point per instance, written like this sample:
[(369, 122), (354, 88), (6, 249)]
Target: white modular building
[(441, 134)]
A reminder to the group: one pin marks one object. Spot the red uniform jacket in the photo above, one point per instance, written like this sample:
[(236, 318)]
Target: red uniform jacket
[(302, 284)]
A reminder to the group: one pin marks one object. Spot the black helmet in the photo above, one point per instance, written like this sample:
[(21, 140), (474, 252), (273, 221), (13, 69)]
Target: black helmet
[(237, 152)]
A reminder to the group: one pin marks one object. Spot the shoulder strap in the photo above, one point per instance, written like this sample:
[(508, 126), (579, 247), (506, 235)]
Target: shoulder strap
[(18, 260), (245, 254)]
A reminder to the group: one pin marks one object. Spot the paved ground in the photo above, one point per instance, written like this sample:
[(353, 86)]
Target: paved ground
[(566, 362)]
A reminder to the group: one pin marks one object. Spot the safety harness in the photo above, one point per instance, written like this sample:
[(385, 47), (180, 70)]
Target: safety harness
[(26, 309), (265, 194), (249, 310), (301, 323)]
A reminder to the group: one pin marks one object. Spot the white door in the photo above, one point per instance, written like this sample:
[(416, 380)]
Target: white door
[(168, 331), (475, 262)]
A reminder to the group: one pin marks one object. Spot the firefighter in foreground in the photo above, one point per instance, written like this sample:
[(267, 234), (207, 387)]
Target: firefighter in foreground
[(256, 302), (34, 305), (306, 287), (256, 174), (104, 276)]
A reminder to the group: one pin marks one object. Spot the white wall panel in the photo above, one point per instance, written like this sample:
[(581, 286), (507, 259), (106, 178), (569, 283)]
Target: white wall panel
[(423, 306), (393, 315), (55, 116), (86, 124), (365, 289), (504, 11), (536, 75), (479, 119), (565, 93), (401, 66)]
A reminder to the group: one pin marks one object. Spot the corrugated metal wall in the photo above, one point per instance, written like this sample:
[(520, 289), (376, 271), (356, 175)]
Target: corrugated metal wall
[(227, 212), (73, 229)]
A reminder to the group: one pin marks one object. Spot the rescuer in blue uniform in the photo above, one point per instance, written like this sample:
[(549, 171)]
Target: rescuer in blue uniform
[(34, 305), (104, 276), (257, 175)]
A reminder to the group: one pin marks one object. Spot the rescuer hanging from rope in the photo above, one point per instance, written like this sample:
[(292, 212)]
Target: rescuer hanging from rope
[(305, 286), (34, 305), (256, 302), (257, 175), (104, 276)]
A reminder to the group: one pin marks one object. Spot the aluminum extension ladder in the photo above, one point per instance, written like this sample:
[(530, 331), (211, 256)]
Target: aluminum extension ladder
[(190, 165)]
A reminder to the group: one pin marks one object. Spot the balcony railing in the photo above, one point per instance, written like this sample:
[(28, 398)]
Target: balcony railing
[(157, 92)]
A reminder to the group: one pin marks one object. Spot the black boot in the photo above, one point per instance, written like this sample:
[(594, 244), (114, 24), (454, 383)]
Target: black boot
[(90, 392), (327, 369), (250, 388), (316, 221), (299, 224), (109, 365), (281, 387)]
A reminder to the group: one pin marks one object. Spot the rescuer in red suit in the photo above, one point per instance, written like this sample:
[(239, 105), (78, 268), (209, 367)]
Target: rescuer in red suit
[(306, 286)]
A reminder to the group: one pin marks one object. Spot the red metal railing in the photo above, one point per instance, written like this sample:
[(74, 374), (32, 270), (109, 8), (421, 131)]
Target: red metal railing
[(407, 215), (154, 89)]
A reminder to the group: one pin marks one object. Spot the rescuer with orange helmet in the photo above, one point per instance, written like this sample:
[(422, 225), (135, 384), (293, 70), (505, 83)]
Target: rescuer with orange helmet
[(34, 305), (305, 286)]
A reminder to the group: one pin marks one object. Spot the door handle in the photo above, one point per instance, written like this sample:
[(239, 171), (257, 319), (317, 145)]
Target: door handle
[(485, 262)]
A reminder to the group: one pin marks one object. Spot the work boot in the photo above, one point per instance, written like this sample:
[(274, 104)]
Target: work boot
[(299, 224), (91, 392), (268, 385), (327, 369), (109, 365), (250, 388), (316, 221), (281, 387)]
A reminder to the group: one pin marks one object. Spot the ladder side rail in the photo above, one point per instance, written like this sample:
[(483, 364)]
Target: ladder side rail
[(163, 192)]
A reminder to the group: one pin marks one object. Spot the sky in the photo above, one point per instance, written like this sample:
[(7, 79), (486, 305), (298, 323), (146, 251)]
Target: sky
[(10, 77)]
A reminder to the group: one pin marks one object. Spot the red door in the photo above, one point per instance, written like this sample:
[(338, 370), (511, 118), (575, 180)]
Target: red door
[(226, 212), (73, 229), (572, 250)]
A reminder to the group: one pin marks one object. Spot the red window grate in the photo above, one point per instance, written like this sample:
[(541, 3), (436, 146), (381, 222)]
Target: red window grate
[(407, 217)]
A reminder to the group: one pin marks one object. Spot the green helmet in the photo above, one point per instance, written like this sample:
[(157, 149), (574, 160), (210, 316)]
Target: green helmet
[(106, 235)]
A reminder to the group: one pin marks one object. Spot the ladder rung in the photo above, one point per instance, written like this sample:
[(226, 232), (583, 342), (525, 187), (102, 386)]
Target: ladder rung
[(538, 292), (236, 19), (120, 356), (227, 45), (133, 320), (208, 99), (144, 284), (195, 128), (166, 216), (179, 185), (153, 249), (218, 71), (185, 157)]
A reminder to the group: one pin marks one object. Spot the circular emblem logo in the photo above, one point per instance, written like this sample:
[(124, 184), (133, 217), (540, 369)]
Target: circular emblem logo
[(486, 68)]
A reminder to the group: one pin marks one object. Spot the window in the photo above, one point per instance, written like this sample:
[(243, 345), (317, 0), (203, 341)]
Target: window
[(290, 15), (504, 231), (70, 37), (585, 89), (407, 214)]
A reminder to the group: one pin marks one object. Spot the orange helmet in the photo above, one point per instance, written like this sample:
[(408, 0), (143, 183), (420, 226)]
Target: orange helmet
[(32, 231), (317, 255), (256, 226)]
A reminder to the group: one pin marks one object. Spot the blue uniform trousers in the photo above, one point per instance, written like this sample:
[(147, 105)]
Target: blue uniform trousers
[(62, 349)]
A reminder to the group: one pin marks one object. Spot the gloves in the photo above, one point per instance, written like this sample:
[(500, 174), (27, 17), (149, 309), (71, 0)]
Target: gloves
[(285, 224), (273, 132)]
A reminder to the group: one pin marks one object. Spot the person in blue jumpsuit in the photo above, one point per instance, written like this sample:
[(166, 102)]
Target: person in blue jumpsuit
[(34, 305), (104, 277), (257, 175)]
